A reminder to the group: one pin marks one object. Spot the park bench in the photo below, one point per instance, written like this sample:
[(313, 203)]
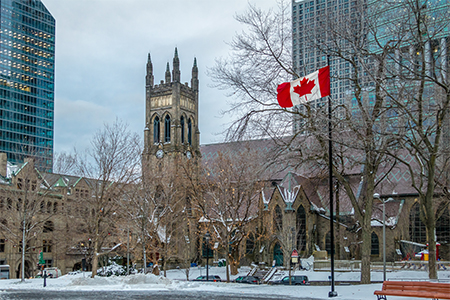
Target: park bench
[(419, 289)]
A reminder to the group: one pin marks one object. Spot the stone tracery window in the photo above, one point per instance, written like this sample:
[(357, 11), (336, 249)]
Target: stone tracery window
[(417, 230), (301, 228), (156, 128), (375, 244), (182, 129), (48, 226), (167, 129), (443, 224), (277, 219), (250, 244), (189, 131)]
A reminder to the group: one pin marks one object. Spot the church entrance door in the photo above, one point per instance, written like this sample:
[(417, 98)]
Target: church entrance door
[(278, 255)]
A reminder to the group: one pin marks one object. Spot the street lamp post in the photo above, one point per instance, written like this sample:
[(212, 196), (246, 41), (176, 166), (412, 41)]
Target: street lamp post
[(377, 196), (207, 237)]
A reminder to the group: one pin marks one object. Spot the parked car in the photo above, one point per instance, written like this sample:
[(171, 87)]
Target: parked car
[(212, 278), (247, 279), (295, 280), (51, 273), (74, 272)]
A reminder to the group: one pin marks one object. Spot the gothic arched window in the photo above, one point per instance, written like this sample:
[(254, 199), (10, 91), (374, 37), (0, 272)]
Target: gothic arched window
[(182, 129), (277, 219), (48, 226), (190, 131), (167, 129), (375, 244), (249, 244), (443, 224), (156, 138), (417, 230), (301, 228)]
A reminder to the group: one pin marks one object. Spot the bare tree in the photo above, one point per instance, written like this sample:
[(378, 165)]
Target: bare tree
[(29, 206), (270, 57), (64, 163), (109, 168), (231, 185), (260, 58), (420, 94)]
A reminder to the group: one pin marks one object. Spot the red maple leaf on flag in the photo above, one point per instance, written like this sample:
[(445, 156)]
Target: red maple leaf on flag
[(305, 87)]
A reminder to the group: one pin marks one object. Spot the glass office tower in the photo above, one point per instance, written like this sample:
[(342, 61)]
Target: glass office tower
[(27, 68), (307, 17)]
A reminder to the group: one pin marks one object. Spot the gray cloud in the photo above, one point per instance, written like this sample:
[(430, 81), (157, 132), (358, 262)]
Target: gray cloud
[(101, 53)]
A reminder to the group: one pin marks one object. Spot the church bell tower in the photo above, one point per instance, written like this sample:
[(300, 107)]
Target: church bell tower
[(171, 119)]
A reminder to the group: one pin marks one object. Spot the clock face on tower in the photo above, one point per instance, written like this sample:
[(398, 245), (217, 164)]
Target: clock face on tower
[(188, 155), (160, 153)]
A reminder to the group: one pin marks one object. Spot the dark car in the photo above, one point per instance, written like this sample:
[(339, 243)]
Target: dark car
[(295, 280), (247, 279), (212, 278)]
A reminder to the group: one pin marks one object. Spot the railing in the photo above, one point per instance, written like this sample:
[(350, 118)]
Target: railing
[(355, 265), (269, 275), (252, 271)]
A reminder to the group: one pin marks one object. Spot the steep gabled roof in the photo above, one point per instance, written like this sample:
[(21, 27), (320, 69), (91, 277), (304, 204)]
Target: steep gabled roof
[(60, 183)]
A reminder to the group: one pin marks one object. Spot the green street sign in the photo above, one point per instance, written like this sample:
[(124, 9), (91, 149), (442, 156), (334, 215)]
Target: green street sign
[(41, 258)]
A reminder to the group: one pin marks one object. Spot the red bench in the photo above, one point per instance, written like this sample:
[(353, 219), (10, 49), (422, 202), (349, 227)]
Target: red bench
[(420, 289)]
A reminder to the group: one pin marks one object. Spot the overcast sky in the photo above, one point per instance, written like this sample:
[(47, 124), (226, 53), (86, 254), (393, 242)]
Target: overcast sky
[(101, 55)]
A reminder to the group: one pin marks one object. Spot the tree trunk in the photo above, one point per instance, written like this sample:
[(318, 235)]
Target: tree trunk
[(144, 254), (95, 258), (228, 259), (24, 244), (431, 237), (164, 266), (338, 234), (365, 252), (234, 267)]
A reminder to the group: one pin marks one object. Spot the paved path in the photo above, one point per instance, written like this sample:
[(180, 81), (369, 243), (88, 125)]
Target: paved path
[(127, 295)]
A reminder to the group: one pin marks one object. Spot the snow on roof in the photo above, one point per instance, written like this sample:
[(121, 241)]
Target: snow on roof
[(390, 222), (116, 246), (267, 194), (288, 195), (62, 182), (11, 169)]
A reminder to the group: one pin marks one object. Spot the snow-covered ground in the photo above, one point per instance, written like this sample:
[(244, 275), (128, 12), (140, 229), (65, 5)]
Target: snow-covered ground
[(176, 280)]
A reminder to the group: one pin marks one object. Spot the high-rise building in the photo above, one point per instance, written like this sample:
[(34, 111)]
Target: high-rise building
[(308, 17), (27, 68)]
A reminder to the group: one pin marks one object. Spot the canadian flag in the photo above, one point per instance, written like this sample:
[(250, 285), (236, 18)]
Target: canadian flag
[(313, 86)]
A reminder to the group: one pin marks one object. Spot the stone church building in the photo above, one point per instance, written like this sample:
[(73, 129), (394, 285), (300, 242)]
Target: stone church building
[(290, 210), (293, 209)]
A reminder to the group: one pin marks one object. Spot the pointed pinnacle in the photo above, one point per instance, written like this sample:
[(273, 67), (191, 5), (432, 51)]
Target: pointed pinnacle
[(195, 61), (167, 68), (176, 52), (149, 58)]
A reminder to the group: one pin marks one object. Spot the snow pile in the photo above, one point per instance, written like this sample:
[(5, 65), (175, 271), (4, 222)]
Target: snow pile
[(146, 279), (137, 279), (176, 280), (88, 281)]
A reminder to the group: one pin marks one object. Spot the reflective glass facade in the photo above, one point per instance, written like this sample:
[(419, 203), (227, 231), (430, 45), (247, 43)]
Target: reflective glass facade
[(308, 17), (27, 67)]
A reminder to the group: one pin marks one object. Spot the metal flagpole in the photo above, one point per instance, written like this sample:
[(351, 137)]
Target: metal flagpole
[(332, 293)]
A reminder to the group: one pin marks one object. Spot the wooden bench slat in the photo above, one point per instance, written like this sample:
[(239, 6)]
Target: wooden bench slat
[(422, 289), (413, 294)]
